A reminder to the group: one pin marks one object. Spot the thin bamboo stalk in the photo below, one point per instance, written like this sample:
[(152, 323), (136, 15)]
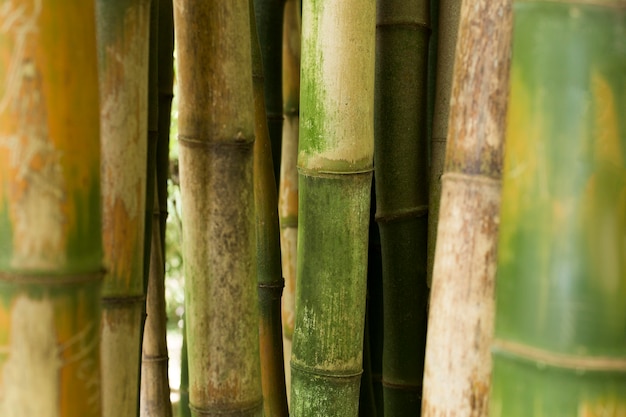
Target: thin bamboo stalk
[(155, 389), (269, 18), (270, 280), (447, 30), (401, 162), (458, 367), (559, 347), (216, 125), (123, 54), (335, 159), (288, 190), (183, 407), (50, 218)]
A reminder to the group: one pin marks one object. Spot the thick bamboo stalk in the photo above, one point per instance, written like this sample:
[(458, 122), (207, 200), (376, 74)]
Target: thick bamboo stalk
[(269, 18), (559, 347), (447, 30), (401, 162), (270, 280), (155, 389), (123, 51), (335, 165), (458, 367), (216, 125), (288, 191), (50, 218)]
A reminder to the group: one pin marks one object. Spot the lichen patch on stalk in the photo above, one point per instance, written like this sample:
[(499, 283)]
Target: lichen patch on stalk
[(34, 363)]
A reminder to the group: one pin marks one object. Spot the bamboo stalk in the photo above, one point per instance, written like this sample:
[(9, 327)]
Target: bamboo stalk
[(50, 218), (448, 25), (401, 162), (216, 125), (123, 52), (183, 408), (155, 389), (269, 18), (559, 344), (460, 328), (335, 166), (270, 280), (288, 190)]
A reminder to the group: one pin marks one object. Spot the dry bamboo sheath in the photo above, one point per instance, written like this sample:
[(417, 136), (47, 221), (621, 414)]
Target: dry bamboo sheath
[(458, 366)]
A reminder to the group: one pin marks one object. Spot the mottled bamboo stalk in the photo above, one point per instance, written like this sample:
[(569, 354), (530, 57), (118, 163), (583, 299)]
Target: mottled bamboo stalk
[(216, 134), (458, 366), (335, 159), (123, 28), (50, 216)]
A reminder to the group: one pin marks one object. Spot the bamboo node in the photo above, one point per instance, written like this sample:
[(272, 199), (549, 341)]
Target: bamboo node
[(156, 358), (526, 353), (51, 279), (402, 214), (469, 178), (324, 374), (234, 409), (333, 174), (123, 299), (239, 141)]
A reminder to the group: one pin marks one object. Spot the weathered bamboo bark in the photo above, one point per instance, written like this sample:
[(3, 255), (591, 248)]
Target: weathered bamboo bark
[(123, 54), (447, 30), (270, 280), (401, 162), (458, 366), (50, 218), (559, 348), (216, 134), (335, 159), (155, 389), (269, 18)]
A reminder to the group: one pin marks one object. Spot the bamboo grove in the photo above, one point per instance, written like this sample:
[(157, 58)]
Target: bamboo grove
[(389, 208)]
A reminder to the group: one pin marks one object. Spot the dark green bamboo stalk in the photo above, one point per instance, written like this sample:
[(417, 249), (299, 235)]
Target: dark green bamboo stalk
[(155, 389), (123, 28), (335, 159), (559, 347), (270, 280), (50, 216), (166, 94), (402, 196), (269, 18), (447, 29), (460, 327), (432, 74), (216, 125)]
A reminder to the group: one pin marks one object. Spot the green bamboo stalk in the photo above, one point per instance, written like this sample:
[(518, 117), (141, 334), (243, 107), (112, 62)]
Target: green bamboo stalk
[(335, 159), (155, 389), (402, 196), (123, 27), (432, 74), (447, 30), (288, 191), (270, 280), (216, 125), (458, 366), (559, 347), (269, 16), (183, 406), (50, 217)]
